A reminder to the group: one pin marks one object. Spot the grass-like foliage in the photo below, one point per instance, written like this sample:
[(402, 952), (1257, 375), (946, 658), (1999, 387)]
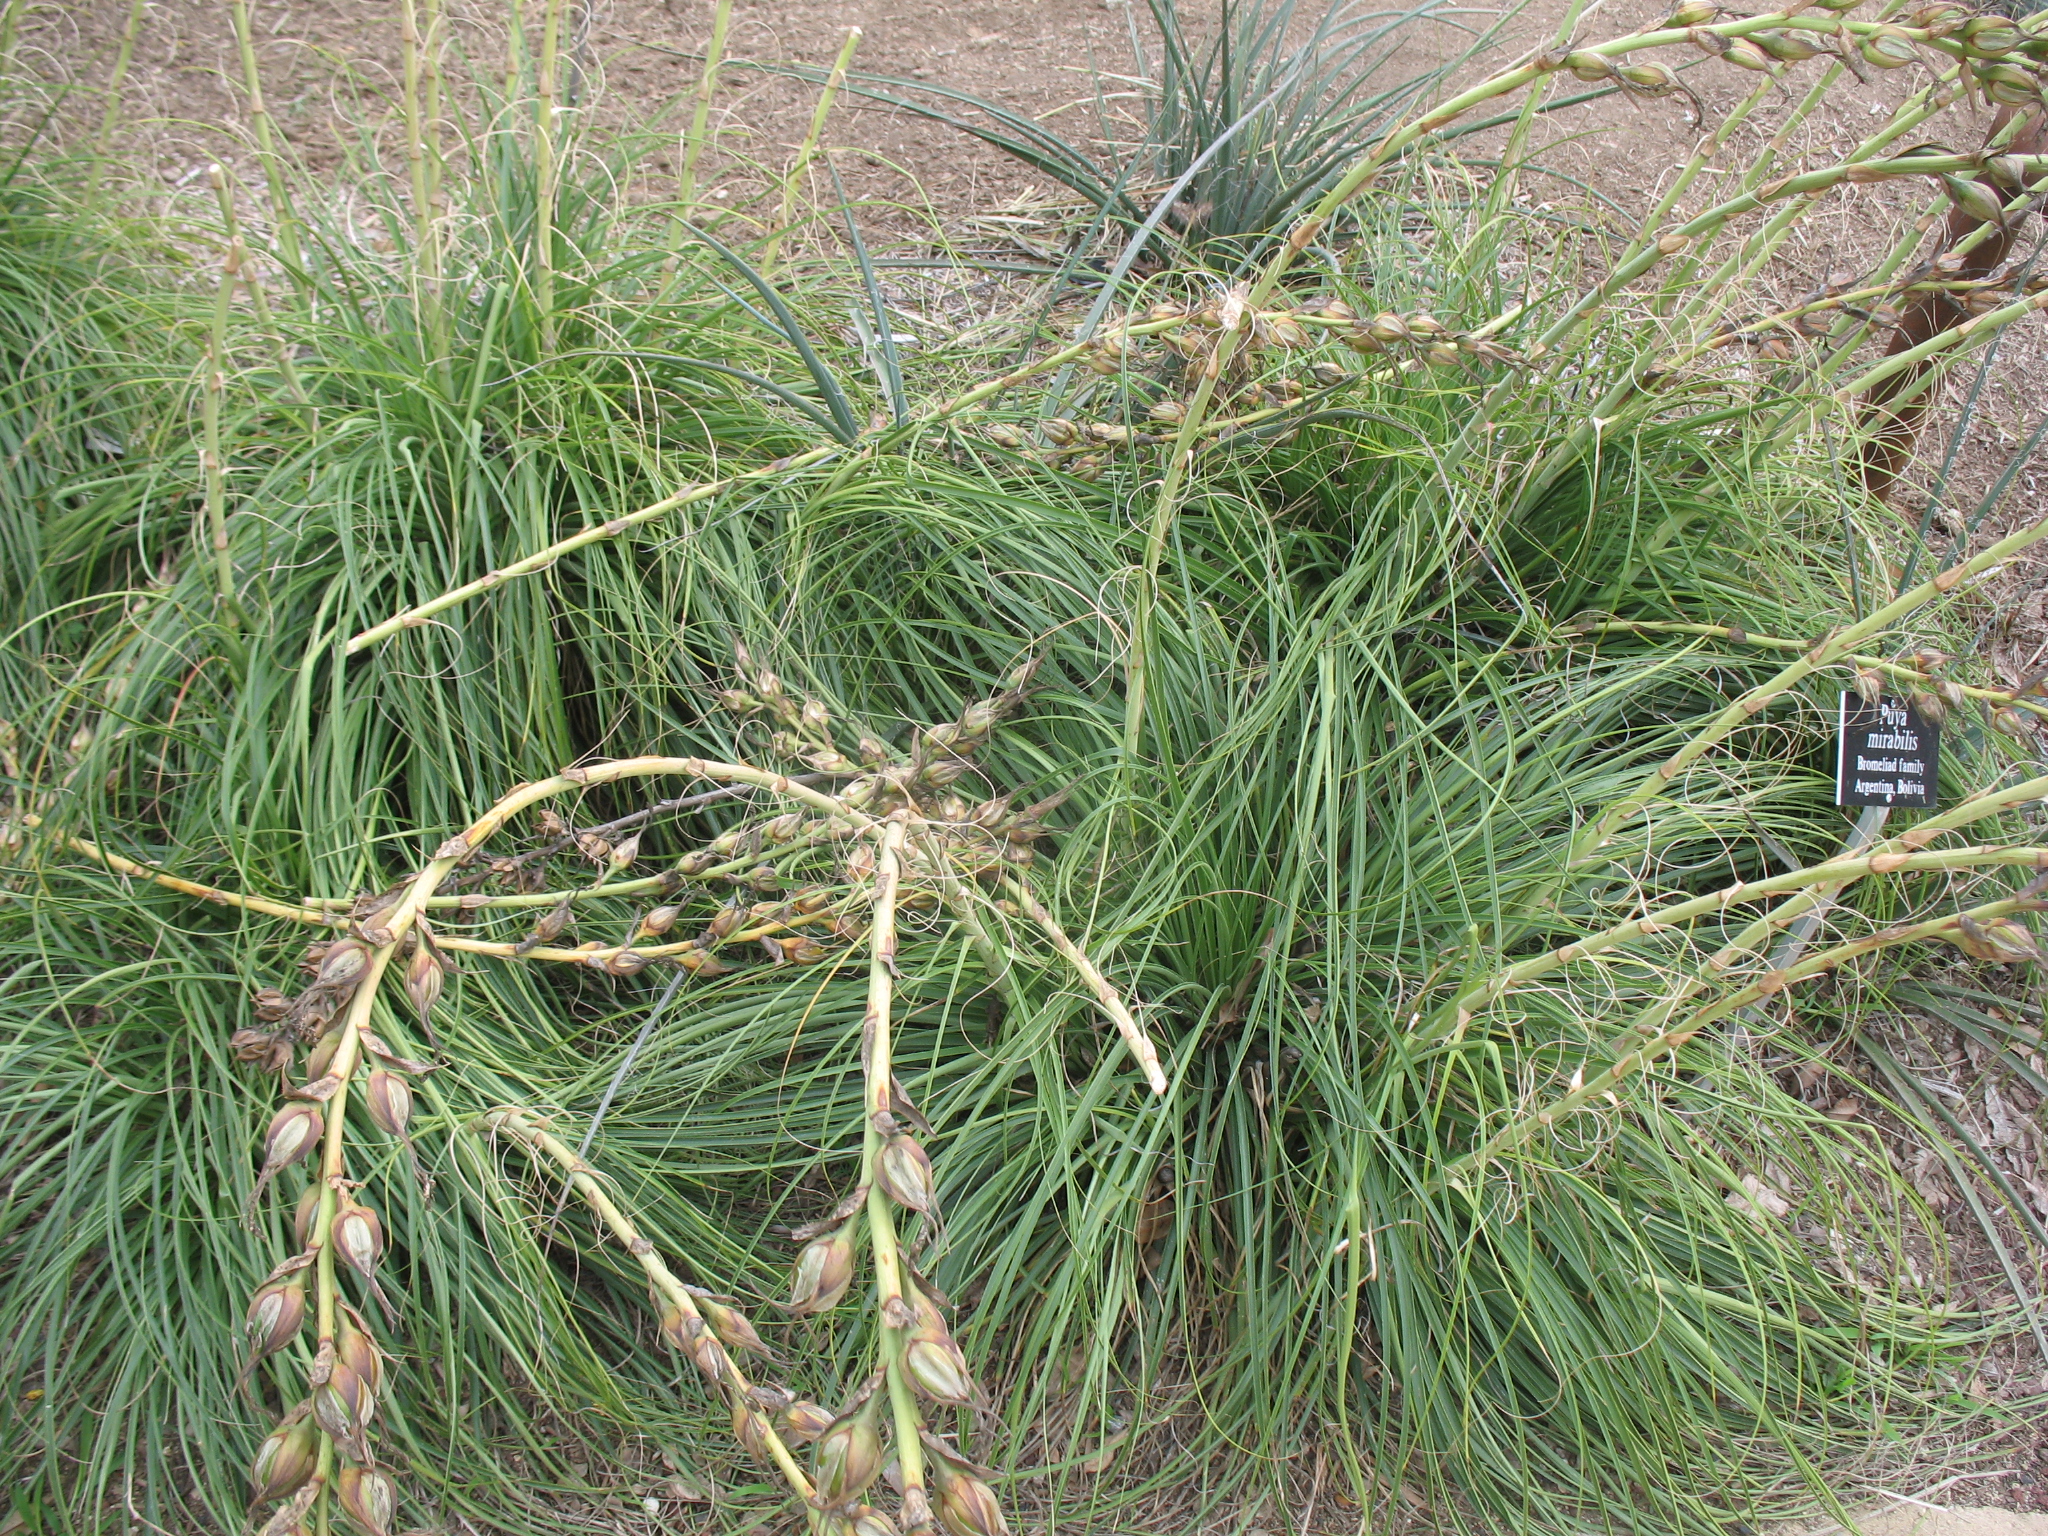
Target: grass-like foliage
[(1152, 978)]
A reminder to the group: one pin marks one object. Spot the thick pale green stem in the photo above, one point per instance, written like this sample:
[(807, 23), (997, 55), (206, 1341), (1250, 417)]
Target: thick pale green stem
[(699, 135), (212, 468), (879, 1067), (266, 146), (802, 164), (544, 176), (110, 115)]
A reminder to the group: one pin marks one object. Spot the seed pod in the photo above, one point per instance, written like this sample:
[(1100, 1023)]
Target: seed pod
[(1286, 332), (823, 1272), (1328, 375), (848, 1458), (286, 1458), (905, 1173), (343, 964), (424, 976), (659, 921), (733, 1329), (1059, 430), (1989, 37), (2012, 723), (388, 1098), (2007, 84), (751, 1430), (940, 1371), (1974, 201), (294, 1132), (1649, 79), (303, 1216), (1928, 707), (1441, 353), (1589, 66), (804, 1421), (357, 1352), (322, 1055), (1744, 54), (1388, 328), (1171, 412), (367, 1498), (1694, 13), (249, 1044), (271, 1006), (1869, 684), (1888, 48), (359, 1237), (1788, 47), (685, 1332), (276, 1313), (966, 1506), (869, 1521), (335, 1411)]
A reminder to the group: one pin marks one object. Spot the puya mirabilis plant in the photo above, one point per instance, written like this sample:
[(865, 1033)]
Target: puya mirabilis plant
[(831, 869)]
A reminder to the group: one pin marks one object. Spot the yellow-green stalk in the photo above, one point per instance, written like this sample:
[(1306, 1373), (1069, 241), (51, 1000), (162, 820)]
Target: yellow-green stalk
[(698, 136), (802, 164), (545, 173), (876, 1061), (287, 231)]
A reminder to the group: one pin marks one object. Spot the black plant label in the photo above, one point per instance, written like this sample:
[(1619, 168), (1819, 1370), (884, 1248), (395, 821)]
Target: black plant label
[(1885, 754)]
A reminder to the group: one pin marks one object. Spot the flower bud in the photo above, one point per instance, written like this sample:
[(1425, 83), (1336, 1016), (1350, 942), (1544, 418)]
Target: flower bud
[(847, 1459), (359, 1238), (286, 1458), (905, 1172), (940, 1371), (388, 1098), (276, 1313), (805, 1421), (823, 1272), (367, 1498)]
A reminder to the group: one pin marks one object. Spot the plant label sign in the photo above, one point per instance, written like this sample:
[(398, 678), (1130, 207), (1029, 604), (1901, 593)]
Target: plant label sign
[(1885, 754)]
